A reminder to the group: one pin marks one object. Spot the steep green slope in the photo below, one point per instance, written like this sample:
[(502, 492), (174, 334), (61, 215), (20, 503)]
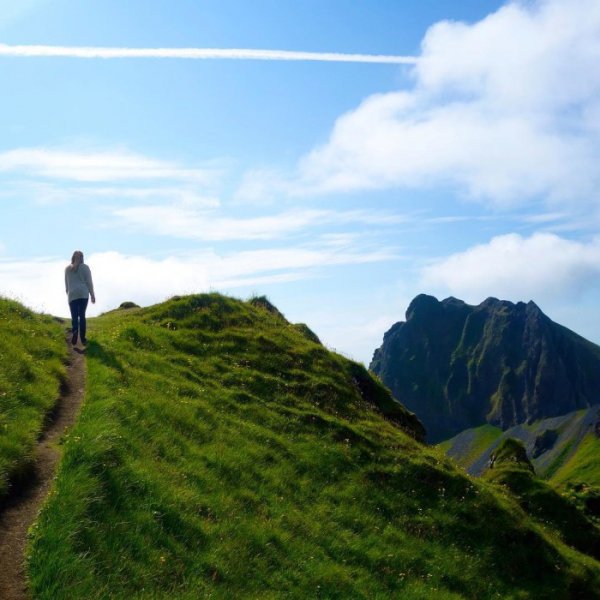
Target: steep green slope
[(511, 468), (459, 366), (562, 449), (582, 465), (470, 445), (222, 452), (32, 353)]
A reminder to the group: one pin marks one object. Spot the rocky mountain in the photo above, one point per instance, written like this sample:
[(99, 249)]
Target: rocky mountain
[(459, 366)]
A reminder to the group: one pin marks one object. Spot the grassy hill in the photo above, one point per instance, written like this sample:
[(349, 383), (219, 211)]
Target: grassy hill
[(32, 354), (563, 450), (223, 452), (512, 469)]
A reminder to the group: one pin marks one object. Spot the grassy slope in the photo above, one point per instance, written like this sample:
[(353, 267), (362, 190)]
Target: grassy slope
[(469, 445), (546, 506), (222, 453), (575, 457), (32, 353), (584, 465)]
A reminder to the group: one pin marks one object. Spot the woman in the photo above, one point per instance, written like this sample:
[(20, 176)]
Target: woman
[(78, 281)]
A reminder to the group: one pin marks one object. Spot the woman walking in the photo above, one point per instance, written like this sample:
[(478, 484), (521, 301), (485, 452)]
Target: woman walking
[(78, 282)]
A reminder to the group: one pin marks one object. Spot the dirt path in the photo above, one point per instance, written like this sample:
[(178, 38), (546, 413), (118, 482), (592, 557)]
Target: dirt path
[(21, 508)]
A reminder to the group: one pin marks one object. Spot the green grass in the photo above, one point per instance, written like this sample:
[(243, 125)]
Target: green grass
[(584, 465), (512, 452), (551, 510), (572, 458), (32, 354), (480, 439), (223, 453)]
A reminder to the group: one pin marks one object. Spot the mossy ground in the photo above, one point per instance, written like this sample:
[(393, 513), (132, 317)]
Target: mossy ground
[(32, 355)]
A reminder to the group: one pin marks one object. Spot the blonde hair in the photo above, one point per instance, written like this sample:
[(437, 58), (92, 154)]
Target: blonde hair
[(76, 259)]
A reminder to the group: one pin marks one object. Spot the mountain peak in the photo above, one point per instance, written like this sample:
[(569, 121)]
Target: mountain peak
[(459, 366), (451, 301), (422, 306)]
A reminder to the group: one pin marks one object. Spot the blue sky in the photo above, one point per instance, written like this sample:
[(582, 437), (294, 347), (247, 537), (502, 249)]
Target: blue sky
[(339, 189)]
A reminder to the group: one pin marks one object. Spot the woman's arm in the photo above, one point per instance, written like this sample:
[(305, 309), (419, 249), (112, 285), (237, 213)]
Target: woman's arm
[(90, 284)]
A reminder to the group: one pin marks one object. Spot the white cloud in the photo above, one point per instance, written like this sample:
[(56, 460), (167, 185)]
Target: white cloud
[(189, 221), (198, 53), (96, 166), (542, 267), (506, 110), (185, 196), (39, 283), (185, 222), (49, 193)]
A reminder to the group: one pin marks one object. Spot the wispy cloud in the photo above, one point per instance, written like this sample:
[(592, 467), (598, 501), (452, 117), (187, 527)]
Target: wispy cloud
[(186, 222), (47, 193), (546, 217), (198, 53), (96, 166), (193, 222)]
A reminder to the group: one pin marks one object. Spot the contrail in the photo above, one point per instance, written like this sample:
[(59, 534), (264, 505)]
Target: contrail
[(200, 53)]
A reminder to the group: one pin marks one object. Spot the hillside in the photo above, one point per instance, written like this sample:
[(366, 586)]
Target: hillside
[(32, 355), (223, 452), (459, 366), (562, 449), (511, 468)]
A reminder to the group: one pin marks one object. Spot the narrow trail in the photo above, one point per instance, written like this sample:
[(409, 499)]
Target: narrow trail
[(20, 509)]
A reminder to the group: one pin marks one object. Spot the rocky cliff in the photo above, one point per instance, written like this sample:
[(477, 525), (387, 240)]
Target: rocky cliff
[(459, 366)]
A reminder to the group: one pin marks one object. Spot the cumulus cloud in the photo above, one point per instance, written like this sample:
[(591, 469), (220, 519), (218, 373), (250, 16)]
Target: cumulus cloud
[(542, 266), (506, 109), (39, 283)]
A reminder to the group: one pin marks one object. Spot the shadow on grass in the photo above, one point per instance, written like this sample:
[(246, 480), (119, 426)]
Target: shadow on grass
[(106, 357)]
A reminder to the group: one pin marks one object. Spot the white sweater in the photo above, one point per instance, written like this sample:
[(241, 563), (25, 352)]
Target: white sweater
[(78, 283)]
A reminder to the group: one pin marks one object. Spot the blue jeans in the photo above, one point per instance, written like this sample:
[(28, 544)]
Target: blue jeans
[(78, 316)]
